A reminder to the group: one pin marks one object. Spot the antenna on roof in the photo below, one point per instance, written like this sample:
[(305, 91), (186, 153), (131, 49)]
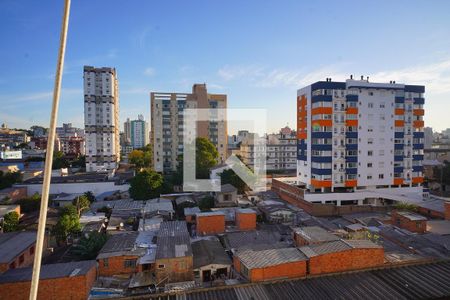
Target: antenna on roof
[(351, 76)]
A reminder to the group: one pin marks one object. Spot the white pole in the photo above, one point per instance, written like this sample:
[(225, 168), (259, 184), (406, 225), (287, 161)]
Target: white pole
[(49, 155)]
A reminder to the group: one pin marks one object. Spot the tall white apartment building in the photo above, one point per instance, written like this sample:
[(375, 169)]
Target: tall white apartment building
[(167, 124), (359, 142), (139, 133), (101, 119)]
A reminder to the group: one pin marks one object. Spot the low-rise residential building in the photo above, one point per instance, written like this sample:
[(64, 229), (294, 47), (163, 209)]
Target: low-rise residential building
[(174, 259), (6, 209), (72, 280), (16, 249), (159, 207), (119, 255), (210, 261), (227, 196), (277, 213), (312, 235), (342, 256), (64, 199), (271, 264), (245, 219), (409, 221), (210, 223)]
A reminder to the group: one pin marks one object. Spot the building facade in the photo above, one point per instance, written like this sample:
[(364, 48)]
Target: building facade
[(101, 118), (139, 133), (167, 124), (358, 135)]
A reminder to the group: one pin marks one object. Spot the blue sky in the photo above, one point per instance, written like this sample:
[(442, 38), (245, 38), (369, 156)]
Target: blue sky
[(257, 52)]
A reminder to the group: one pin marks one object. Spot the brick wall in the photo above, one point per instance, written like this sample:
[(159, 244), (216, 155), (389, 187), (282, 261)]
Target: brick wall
[(73, 288), (210, 224), (405, 223), (352, 259), (288, 270), (24, 259), (447, 210), (174, 269), (116, 265), (299, 240), (246, 221), (431, 213)]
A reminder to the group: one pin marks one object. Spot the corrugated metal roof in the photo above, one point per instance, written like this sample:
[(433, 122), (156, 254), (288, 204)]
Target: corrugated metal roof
[(14, 243), (208, 252), (428, 281), (271, 257), (315, 234), (70, 269), (325, 248), (173, 240), (362, 244)]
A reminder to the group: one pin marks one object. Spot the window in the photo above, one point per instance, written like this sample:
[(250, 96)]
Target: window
[(369, 176), (369, 165), (370, 104), (381, 152), (129, 263), (370, 141), (380, 176), (161, 266), (21, 259), (370, 93), (105, 262), (369, 153), (382, 105)]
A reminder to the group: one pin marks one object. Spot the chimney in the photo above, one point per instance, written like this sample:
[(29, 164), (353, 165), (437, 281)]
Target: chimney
[(367, 78), (351, 76), (362, 77)]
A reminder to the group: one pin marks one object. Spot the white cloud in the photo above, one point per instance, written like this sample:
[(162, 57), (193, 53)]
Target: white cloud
[(149, 71), (435, 76)]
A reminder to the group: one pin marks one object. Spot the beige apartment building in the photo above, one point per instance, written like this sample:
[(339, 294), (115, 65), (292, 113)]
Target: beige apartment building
[(167, 124)]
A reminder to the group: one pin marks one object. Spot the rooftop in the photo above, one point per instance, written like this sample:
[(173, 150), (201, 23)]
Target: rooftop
[(441, 227), (270, 257), (67, 197), (263, 239), (315, 234), (390, 284), (412, 216), (51, 271), (207, 252), (210, 213), (191, 211), (173, 240), (158, 205), (228, 188), (14, 243), (337, 246), (4, 209), (246, 211), (119, 244)]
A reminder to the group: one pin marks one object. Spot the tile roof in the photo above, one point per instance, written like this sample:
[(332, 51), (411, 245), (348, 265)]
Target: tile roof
[(207, 252), (51, 271), (411, 282), (270, 257), (14, 243), (315, 234)]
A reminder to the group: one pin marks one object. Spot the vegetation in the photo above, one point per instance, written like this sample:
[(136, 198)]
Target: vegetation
[(90, 196), (79, 162), (89, 245), (81, 204), (230, 177), (30, 204), (68, 223), (107, 210), (9, 178), (206, 203), (141, 158), (405, 206), (10, 221), (59, 161), (147, 184)]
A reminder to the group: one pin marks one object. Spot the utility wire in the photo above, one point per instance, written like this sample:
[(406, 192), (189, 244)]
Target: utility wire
[(49, 154)]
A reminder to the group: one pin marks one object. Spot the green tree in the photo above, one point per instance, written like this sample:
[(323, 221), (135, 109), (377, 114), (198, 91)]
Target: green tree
[(90, 196), (406, 206), (11, 221), (81, 203), (9, 178), (206, 203), (141, 158), (79, 162), (206, 157), (59, 161), (230, 177), (68, 223), (146, 185), (30, 204), (89, 245)]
